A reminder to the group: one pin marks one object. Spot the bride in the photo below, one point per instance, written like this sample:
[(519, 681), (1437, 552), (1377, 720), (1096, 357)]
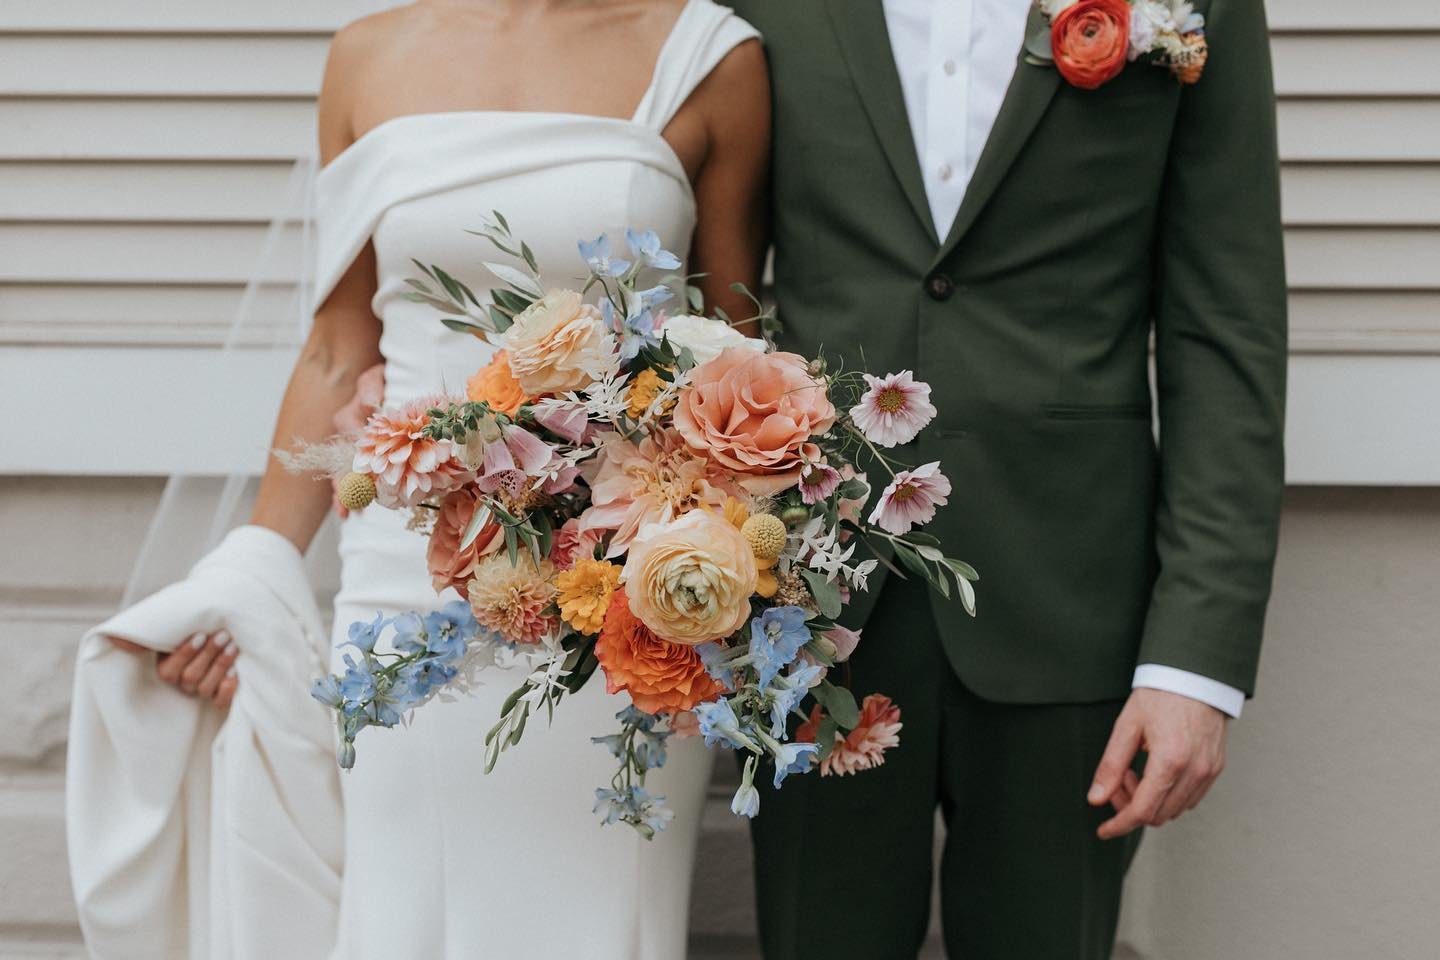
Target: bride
[(572, 118)]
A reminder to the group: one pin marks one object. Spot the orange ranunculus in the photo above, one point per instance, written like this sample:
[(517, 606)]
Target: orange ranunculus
[(657, 674), (449, 565), (496, 385), (754, 414), (1089, 40)]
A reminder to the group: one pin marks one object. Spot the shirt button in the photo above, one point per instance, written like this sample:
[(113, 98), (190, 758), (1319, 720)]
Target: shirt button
[(939, 286), (945, 171), (949, 67)]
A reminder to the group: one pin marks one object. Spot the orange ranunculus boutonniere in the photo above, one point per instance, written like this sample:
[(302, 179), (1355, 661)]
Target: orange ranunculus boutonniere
[(1090, 41)]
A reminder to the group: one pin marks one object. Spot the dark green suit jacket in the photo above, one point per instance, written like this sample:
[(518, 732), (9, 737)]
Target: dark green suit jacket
[(1094, 219)]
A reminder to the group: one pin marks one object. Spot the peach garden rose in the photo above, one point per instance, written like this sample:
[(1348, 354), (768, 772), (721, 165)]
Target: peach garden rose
[(754, 414), (558, 343)]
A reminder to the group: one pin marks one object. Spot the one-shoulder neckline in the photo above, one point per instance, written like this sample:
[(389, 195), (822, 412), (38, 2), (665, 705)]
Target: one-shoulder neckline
[(671, 37)]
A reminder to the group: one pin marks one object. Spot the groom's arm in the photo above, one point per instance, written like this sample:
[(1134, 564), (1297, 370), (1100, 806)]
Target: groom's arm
[(1220, 353)]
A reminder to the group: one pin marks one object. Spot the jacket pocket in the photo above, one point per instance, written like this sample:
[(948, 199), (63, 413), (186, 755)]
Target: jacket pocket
[(1096, 411)]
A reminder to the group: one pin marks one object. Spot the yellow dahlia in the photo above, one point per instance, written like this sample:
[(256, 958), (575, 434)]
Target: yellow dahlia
[(584, 593)]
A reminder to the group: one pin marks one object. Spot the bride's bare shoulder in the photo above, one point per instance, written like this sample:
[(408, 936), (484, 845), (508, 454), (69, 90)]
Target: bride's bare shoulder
[(358, 55)]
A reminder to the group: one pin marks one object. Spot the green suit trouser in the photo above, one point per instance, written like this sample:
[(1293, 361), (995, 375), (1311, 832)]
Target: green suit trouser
[(844, 865)]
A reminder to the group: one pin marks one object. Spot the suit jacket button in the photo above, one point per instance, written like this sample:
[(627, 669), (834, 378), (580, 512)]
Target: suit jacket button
[(939, 286)]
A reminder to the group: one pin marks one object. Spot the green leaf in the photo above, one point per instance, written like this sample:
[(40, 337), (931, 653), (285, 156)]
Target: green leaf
[(511, 302), (464, 326), (825, 736), (529, 257), (520, 281), (838, 702), (853, 489), (451, 285), (920, 537), (500, 319), (962, 568), (911, 560), (476, 524), (513, 699), (512, 546), (1037, 45), (826, 592), (500, 219)]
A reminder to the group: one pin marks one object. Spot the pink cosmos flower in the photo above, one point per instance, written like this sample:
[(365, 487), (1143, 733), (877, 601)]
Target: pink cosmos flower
[(864, 747), (911, 499), (406, 465), (818, 481), (519, 458), (893, 410)]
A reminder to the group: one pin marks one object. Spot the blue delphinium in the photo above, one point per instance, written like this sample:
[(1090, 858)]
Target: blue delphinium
[(792, 758), (363, 635), (785, 692), (746, 802), (718, 724), (597, 254), (645, 247), (776, 637)]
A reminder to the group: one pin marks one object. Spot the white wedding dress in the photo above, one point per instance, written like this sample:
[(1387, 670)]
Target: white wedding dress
[(442, 860)]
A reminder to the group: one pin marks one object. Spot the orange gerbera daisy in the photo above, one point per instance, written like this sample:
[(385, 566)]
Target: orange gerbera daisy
[(658, 675)]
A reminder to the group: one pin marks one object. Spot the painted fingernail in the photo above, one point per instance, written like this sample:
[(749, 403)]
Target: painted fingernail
[(197, 641), (231, 649), (230, 672), (1097, 793)]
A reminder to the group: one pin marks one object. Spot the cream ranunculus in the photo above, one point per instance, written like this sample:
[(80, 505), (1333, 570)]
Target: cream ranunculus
[(690, 580), (706, 337), (558, 343)]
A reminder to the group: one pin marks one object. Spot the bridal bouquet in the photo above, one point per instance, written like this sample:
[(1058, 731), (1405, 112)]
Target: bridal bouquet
[(651, 495)]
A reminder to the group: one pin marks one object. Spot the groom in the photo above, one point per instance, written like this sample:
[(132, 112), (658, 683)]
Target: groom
[(947, 203)]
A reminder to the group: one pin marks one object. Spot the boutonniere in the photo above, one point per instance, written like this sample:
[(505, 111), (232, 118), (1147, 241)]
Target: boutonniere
[(1090, 41)]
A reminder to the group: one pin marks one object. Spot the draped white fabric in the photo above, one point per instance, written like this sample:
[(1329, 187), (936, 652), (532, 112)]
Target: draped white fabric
[(190, 837)]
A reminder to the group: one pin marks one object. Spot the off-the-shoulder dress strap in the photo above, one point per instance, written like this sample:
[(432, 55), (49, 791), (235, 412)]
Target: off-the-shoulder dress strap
[(704, 33)]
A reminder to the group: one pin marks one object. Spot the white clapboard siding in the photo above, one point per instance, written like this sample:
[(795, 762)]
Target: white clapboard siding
[(147, 144)]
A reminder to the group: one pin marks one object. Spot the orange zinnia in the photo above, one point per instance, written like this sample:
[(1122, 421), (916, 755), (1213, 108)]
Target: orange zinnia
[(658, 675), (496, 385)]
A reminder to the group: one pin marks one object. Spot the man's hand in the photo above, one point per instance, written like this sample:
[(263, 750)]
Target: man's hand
[(1185, 743)]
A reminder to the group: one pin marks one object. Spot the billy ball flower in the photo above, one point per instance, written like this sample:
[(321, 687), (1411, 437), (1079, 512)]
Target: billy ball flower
[(356, 491), (911, 499), (584, 593), (766, 535), (893, 410)]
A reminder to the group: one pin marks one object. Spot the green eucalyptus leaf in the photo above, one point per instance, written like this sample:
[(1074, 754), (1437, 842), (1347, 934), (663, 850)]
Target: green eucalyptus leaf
[(838, 702), (826, 592), (476, 524), (463, 326), (499, 318)]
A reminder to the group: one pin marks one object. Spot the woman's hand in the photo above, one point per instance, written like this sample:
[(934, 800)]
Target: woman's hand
[(202, 666)]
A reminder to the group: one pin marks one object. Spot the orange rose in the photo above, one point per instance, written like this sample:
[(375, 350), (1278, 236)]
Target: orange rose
[(449, 565), (657, 674), (496, 385), (1089, 39), (754, 414)]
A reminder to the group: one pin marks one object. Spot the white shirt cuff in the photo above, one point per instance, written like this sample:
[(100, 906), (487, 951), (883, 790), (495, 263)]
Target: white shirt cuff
[(1222, 697)]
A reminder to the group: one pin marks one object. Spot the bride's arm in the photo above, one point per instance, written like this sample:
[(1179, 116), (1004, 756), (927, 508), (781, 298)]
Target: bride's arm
[(732, 222), (343, 342)]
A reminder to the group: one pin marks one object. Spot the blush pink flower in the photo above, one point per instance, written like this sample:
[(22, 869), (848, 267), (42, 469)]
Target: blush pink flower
[(571, 543), (893, 410), (406, 465), (862, 748), (845, 640), (817, 482), (514, 600), (450, 564), (911, 499), (754, 414), (519, 460), (653, 481)]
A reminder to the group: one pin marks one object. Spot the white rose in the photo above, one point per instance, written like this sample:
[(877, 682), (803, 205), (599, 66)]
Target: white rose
[(558, 343), (706, 338)]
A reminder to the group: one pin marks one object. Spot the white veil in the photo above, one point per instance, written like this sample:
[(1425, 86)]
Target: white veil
[(196, 511)]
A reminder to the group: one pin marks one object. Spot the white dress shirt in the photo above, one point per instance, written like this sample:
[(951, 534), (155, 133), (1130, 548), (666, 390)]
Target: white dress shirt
[(955, 59)]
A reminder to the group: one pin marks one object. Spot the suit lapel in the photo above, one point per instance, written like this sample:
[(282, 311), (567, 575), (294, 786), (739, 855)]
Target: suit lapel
[(1030, 92), (859, 27)]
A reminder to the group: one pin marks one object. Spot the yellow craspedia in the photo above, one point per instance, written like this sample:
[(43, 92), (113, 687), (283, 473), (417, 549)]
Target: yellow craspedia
[(766, 533), (357, 491), (643, 390), (584, 592)]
